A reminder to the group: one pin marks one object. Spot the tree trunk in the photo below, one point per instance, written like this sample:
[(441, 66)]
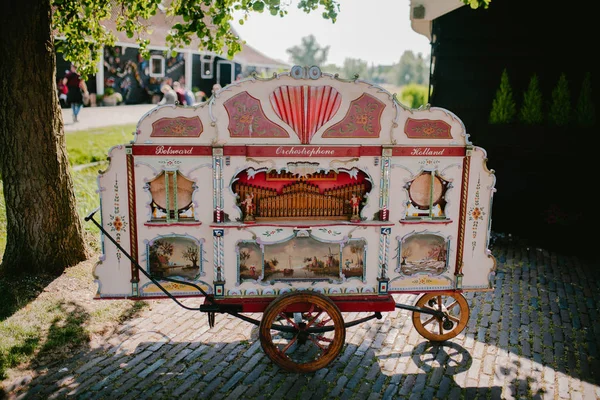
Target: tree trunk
[(44, 231)]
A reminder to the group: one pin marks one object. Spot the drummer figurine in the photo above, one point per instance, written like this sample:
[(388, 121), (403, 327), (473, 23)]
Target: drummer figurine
[(249, 206), (354, 202)]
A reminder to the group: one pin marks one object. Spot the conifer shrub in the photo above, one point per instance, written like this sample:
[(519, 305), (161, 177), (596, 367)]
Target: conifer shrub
[(531, 112), (504, 107), (585, 111), (560, 106)]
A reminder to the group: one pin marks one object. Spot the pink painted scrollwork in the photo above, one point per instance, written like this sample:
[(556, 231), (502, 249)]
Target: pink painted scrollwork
[(247, 118), (361, 121)]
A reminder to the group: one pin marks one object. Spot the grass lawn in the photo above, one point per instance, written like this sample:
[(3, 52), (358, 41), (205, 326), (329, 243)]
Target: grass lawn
[(42, 315), (90, 146)]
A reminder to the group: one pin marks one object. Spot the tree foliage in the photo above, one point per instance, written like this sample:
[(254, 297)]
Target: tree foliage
[(309, 52), (560, 106), (82, 23), (585, 111), (477, 3), (30, 27), (44, 232), (411, 69), (414, 95), (531, 110), (355, 66), (503, 106)]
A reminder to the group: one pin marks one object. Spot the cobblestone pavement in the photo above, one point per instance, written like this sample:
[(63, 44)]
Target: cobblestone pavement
[(536, 335)]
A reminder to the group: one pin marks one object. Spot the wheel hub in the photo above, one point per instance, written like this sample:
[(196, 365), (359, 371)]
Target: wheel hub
[(447, 324), (302, 333)]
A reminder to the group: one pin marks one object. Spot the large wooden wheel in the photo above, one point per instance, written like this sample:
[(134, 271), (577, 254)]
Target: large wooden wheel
[(302, 331), (455, 309)]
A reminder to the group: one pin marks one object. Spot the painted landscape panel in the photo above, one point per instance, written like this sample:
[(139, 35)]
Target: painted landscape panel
[(174, 257), (302, 258), (250, 261), (353, 256), (423, 254)]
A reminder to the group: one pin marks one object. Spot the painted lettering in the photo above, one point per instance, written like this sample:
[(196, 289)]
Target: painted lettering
[(169, 151), (426, 151), (303, 152)]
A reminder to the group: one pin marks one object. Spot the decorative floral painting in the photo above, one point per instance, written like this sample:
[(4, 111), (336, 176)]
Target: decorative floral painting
[(247, 118), (361, 121), (423, 253)]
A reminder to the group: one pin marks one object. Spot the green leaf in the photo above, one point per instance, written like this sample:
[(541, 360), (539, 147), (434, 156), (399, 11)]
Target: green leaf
[(258, 6)]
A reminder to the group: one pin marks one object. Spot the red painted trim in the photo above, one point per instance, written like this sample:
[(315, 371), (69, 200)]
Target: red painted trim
[(429, 151), (358, 303), (375, 151), (167, 150), (297, 151), (234, 151)]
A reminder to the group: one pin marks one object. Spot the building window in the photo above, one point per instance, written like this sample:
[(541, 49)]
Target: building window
[(206, 66), (157, 66)]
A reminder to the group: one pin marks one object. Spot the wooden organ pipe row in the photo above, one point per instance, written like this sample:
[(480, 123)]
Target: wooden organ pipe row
[(345, 193), (302, 199), (259, 193), (274, 175), (300, 187), (300, 204)]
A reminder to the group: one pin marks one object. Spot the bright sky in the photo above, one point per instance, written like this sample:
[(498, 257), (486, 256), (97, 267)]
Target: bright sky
[(377, 31)]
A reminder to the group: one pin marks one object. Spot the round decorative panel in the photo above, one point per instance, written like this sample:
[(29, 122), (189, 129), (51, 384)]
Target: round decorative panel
[(420, 190)]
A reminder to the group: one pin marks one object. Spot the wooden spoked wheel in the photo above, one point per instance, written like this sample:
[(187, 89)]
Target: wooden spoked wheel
[(302, 331), (455, 309)]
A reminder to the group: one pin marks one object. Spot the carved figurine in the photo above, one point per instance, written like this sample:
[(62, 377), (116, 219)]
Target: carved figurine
[(248, 203), (354, 202)]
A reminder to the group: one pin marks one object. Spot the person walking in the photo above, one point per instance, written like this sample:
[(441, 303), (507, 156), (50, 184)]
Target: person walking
[(74, 96)]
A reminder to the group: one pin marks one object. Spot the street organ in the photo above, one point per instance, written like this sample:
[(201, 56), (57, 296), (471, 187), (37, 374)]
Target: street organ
[(302, 196)]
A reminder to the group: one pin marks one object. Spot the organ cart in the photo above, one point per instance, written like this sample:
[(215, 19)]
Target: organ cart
[(302, 197)]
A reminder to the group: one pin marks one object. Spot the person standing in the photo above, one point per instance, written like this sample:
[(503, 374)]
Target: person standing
[(74, 97), (169, 95), (180, 93)]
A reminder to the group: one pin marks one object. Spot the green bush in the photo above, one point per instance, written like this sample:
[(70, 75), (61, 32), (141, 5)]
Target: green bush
[(504, 108), (414, 95), (531, 111), (585, 112), (560, 107)]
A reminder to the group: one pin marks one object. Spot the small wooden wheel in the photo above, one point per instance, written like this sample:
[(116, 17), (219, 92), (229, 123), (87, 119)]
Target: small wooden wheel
[(455, 308), (302, 331)]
